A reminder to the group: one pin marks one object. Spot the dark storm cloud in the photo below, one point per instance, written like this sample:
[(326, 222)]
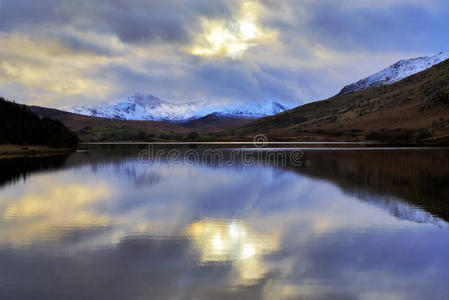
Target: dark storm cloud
[(131, 21), (401, 27), (78, 44), (21, 13), (383, 26), (338, 24)]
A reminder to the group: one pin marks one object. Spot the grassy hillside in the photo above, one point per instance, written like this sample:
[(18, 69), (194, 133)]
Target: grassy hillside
[(414, 109), (20, 126)]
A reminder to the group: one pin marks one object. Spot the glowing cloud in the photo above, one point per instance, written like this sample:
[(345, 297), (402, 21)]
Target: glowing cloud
[(231, 39)]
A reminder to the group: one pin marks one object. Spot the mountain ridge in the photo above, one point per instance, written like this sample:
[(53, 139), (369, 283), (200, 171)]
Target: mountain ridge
[(396, 72), (142, 107)]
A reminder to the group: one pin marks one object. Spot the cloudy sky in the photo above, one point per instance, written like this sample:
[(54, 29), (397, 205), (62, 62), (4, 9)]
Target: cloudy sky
[(74, 52)]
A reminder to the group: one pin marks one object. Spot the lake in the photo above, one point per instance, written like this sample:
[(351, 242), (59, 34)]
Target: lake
[(130, 222)]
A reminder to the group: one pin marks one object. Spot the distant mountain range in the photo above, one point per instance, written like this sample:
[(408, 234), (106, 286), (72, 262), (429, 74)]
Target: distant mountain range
[(390, 106), (396, 72), (151, 108)]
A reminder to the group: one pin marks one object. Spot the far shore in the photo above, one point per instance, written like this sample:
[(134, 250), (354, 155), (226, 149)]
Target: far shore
[(7, 151)]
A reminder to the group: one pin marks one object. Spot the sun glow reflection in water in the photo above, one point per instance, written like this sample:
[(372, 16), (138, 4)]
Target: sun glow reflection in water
[(231, 241)]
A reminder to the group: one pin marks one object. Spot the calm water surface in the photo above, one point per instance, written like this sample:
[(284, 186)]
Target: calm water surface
[(101, 224)]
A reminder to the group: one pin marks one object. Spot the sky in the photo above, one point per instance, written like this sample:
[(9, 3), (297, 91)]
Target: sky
[(60, 53)]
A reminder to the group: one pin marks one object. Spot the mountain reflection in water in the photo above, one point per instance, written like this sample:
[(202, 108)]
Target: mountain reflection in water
[(352, 225)]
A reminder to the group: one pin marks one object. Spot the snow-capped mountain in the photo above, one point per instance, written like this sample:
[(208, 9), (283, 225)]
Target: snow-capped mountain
[(396, 72), (151, 108)]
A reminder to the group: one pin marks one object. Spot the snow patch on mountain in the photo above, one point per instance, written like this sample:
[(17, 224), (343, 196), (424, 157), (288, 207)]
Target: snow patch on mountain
[(396, 72), (151, 108)]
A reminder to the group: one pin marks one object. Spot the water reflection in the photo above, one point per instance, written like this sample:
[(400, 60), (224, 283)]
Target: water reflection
[(104, 226), (222, 241), (46, 210), (418, 177), (15, 169)]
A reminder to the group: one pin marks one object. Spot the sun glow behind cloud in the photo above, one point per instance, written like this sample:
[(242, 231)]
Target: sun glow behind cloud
[(231, 39)]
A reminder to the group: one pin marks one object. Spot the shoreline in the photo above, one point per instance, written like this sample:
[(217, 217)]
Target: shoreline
[(11, 151)]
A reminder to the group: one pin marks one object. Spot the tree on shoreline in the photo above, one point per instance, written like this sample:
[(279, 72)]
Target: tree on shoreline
[(19, 125)]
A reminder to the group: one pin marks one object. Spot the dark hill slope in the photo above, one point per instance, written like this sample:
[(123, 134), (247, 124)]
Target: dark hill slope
[(216, 121)]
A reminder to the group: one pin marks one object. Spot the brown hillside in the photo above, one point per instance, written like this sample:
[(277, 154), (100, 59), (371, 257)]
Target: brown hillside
[(94, 129), (417, 106), (77, 122)]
